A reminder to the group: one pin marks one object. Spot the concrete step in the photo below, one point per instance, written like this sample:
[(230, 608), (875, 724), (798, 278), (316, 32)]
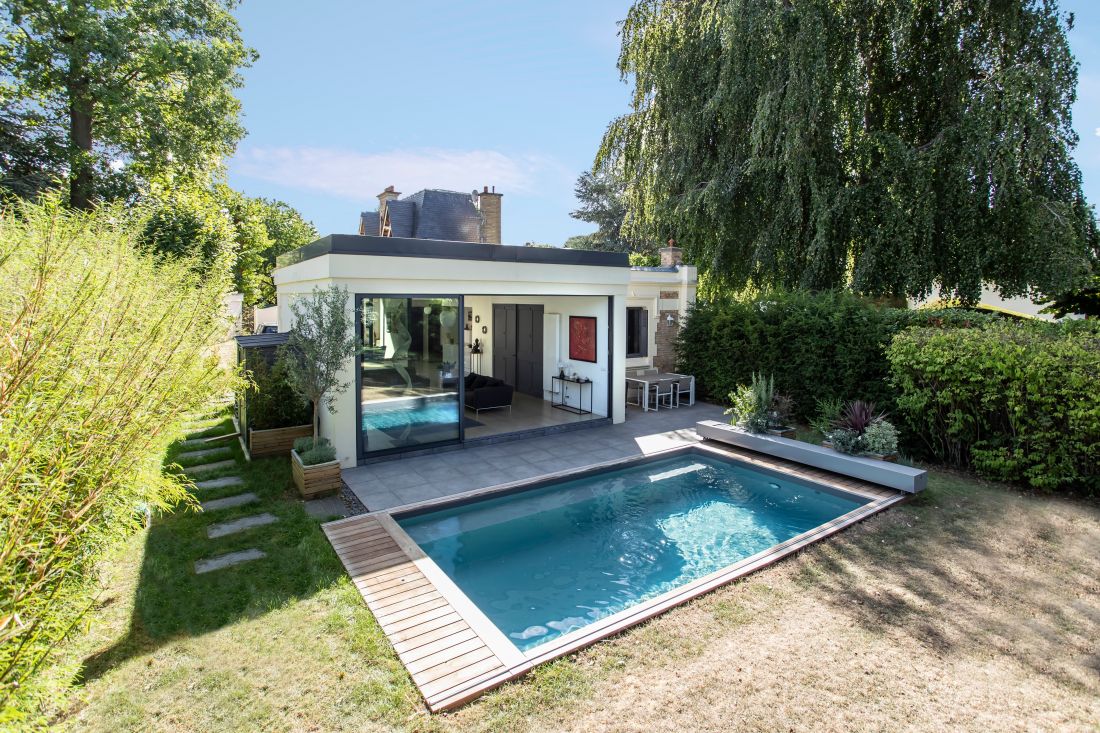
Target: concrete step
[(228, 560), (240, 525), (207, 467), (230, 501), (220, 483), (204, 453)]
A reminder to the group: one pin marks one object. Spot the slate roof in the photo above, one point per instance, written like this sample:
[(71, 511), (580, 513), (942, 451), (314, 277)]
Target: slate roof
[(368, 223), (429, 214)]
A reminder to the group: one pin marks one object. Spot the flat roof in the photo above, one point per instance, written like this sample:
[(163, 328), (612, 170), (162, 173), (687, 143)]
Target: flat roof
[(254, 340), (354, 244)]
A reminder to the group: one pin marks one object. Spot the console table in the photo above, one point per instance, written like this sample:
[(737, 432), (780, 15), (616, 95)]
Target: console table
[(577, 409)]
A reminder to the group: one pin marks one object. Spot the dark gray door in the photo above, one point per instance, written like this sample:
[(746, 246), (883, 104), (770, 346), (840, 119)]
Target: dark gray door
[(504, 343), (529, 350)]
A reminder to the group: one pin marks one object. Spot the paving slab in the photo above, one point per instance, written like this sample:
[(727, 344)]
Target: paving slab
[(329, 506), (215, 466), (239, 525), (230, 501), (228, 560), (220, 483), (204, 453)]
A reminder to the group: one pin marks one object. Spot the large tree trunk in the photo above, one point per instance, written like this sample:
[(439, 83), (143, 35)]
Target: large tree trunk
[(81, 181)]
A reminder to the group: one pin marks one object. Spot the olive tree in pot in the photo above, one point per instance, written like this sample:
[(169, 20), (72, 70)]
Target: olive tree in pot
[(319, 346)]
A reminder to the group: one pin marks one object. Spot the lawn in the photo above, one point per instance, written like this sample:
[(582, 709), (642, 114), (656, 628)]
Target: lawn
[(971, 607)]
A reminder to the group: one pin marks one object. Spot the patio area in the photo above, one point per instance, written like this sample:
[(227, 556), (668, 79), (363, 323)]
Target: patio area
[(408, 480)]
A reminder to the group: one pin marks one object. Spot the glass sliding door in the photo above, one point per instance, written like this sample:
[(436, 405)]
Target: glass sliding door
[(409, 372)]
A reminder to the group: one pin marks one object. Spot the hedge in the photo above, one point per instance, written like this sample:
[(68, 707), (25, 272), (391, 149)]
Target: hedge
[(103, 351), (827, 345), (1016, 402)]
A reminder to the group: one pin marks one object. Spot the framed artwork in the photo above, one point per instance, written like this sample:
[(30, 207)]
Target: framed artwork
[(582, 338)]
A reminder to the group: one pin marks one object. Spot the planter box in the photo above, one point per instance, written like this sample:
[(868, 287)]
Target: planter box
[(276, 441), (322, 478), (903, 478), (891, 457)]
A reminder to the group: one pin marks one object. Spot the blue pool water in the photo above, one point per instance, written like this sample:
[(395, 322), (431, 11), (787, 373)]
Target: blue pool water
[(414, 412), (550, 560)]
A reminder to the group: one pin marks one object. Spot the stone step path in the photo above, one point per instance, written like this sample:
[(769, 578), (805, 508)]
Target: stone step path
[(230, 501), (220, 483), (207, 467), (204, 453), (240, 525), (228, 560)]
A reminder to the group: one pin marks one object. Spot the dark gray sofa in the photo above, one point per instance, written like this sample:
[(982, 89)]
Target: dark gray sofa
[(487, 393)]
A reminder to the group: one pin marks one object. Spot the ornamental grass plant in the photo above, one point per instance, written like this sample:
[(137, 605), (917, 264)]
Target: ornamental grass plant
[(104, 349)]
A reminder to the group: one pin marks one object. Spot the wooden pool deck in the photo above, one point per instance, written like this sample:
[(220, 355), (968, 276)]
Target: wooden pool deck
[(454, 653)]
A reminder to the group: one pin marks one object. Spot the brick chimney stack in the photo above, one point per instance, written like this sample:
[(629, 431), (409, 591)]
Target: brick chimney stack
[(488, 203), (671, 256)]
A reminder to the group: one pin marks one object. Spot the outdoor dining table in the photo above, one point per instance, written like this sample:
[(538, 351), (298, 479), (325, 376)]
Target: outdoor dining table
[(647, 379)]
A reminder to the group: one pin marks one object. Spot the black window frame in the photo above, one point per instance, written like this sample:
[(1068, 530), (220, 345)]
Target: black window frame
[(639, 330)]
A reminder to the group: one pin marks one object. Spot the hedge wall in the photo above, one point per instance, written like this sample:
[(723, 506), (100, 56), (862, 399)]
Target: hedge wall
[(823, 345), (1017, 402)]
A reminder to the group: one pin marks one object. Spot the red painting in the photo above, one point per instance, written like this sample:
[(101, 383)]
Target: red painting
[(582, 338)]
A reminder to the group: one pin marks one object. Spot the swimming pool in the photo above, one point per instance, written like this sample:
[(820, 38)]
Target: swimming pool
[(548, 561)]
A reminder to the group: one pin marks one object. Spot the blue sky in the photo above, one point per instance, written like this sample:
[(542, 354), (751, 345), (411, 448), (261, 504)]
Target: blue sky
[(350, 97)]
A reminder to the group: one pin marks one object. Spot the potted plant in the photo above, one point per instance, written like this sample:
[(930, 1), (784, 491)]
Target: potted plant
[(319, 346), (750, 404), (276, 415), (314, 467), (779, 412), (860, 430)]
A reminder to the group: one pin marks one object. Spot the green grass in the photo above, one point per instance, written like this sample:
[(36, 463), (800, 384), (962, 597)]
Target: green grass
[(923, 604)]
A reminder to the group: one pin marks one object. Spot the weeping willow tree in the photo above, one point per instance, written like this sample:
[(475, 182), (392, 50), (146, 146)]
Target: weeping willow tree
[(889, 146)]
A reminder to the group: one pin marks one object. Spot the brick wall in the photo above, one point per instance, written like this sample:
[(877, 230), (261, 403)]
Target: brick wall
[(665, 357)]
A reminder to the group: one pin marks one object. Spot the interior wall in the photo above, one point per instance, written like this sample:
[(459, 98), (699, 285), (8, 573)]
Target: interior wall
[(562, 307)]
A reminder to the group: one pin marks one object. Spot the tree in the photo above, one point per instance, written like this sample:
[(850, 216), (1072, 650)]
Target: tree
[(1084, 301), (891, 147), (602, 202), (318, 347), (123, 92)]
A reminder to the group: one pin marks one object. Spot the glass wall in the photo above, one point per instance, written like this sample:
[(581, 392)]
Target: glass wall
[(410, 369)]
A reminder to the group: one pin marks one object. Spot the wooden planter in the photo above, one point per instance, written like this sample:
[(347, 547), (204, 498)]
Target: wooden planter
[(276, 441), (891, 458), (322, 478)]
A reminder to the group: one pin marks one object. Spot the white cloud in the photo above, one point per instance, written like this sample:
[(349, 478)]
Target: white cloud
[(359, 176), (1096, 132)]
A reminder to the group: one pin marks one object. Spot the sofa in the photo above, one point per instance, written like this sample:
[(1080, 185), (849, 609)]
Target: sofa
[(487, 393)]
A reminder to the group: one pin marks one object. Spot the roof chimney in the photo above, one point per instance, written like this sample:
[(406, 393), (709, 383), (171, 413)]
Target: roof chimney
[(671, 256), (488, 203)]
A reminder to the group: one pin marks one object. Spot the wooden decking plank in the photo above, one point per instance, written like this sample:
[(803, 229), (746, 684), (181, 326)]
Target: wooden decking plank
[(397, 582), (448, 641), (448, 682), (457, 667), (360, 554), (408, 599), (344, 532), (399, 629), (386, 596), (411, 607), (447, 655), (344, 545), (370, 580), (426, 633), (390, 559)]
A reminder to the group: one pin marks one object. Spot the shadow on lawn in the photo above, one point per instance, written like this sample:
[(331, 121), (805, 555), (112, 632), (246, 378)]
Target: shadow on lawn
[(172, 602), (968, 569)]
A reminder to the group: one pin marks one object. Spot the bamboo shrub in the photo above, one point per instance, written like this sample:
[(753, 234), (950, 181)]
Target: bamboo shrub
[(103, 351)]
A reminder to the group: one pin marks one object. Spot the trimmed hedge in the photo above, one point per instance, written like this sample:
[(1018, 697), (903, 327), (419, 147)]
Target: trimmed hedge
[(1016, 402), (827, 345)]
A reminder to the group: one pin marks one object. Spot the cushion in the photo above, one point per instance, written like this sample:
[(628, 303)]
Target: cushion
[(480, 382), (470, 378)]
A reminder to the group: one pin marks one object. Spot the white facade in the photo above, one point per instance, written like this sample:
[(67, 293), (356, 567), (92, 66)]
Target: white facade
[(562, 289), (645, 290)]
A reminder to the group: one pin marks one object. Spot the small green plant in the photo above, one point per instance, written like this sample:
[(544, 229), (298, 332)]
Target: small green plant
[(311, 452), (750, 404), (828, 412), (881, 437)]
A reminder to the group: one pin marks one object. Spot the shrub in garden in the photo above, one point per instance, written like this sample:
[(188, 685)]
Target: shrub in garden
[(311, 452), (750, 403), (103, 350), (272, 401), (1016, 401), (859, 428), (818, 346)]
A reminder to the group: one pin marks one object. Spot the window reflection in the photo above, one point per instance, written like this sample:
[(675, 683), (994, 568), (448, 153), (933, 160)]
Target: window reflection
[(409, 372)]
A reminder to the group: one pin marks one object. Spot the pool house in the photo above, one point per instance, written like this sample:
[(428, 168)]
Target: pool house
[(466, 341)]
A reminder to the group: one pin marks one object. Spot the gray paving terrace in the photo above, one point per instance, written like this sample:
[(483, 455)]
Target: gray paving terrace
[(402, 481)]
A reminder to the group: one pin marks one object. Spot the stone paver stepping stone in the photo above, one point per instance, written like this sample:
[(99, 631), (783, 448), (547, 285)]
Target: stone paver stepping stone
[(215, 466), (239, 525), (330, 506), (227, 560), (220, 483), (230, 501), (206, 452)]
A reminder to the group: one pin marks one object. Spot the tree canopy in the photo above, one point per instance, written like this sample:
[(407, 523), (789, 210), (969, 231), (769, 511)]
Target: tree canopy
[(889, 146), (112, 94), (601, 194)]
